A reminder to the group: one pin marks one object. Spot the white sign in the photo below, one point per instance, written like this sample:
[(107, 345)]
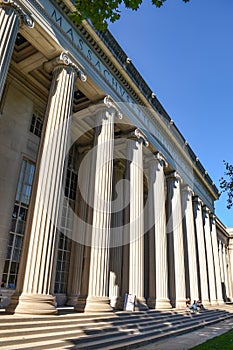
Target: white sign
[(129, 302)]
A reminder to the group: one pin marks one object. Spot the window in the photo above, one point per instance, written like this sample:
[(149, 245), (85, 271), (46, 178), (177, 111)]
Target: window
[(63, 262), (18, 223), (36, 124)]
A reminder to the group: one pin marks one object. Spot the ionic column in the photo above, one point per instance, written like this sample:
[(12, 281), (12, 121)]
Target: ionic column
[(116, 239), (36, 297), (209, 256), (216, 261), (158, 269), (175, 231), (98, 299), (136, 226), (221, 268), (189, 232), (224, 252), (228, 273), (11, 16), (230, 249), (201, 250)]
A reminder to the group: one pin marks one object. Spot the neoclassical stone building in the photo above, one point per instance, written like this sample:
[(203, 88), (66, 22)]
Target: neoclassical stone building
[(101, 195)]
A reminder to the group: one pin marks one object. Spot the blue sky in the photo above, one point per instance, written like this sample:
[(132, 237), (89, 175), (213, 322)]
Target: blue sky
[(185, 54)]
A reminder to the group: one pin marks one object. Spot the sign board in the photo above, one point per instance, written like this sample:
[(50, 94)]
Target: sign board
[(129, 302)]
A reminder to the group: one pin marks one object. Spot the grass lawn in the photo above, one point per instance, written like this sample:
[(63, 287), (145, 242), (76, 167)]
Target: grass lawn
[(222, 342)]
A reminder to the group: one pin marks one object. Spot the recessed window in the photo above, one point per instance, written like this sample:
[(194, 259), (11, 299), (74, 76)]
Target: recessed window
[(36, 124), (18, 223)]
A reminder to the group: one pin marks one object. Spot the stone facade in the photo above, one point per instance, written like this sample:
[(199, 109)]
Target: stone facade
[(101, 195)]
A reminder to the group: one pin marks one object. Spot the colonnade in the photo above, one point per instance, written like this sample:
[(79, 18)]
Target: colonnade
[(183, 256)]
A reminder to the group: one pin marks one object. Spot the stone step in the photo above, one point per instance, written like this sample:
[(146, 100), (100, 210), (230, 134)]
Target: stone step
[(34, 325), (104, 332)]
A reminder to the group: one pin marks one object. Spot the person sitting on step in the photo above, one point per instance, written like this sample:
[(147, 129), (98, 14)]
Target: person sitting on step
[(193, 307), (200, 306)]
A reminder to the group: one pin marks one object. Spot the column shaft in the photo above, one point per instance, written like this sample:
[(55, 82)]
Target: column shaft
[(230, 247), (136, 249), (201, 251), (189, 232), (175, 231), (216, 262), (225, 271), (209, 256), (9, 25), (10, 14), (158, 278), (36, 298), (98, 299)]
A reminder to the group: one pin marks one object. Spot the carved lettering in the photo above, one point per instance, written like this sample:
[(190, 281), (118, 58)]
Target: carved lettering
[(64, 24), (57, 19), (106, 74), (89, 54), (114, 84), (81, 44), (70, 33), (98, 65), (122, 91)]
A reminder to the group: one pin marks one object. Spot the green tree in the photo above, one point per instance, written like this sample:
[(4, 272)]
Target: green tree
[(101, 11), (226, 183)]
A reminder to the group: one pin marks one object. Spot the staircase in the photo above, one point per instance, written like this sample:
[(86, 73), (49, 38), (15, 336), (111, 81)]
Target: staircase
[(120, 330)]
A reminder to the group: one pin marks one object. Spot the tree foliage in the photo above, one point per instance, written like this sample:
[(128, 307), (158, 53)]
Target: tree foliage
[(102, 11), (226, 183)]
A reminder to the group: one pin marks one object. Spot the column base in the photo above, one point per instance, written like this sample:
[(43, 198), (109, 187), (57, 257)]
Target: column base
[(72, 300), (214, 302), (98, 304), (34, 304), (181, 304), (206, 303), (120, 303), (81, 303), (113, 301), (140, 304), (220, 302), (163, 304), (10, 309), (151, 302)]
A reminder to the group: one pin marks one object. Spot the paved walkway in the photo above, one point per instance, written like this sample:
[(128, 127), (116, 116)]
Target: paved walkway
[(189, 340)]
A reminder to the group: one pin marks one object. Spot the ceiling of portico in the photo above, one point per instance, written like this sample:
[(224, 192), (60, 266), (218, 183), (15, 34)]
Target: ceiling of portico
[(28, 62)]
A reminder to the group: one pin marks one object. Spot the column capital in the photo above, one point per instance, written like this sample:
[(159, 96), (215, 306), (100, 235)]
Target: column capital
[(138, 135), (187, 189), (213, 218), (159, 157), (24, 17), (230, 244), (174, 176), (65, 59), (206, 211), (197, 201), (110, 103)]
